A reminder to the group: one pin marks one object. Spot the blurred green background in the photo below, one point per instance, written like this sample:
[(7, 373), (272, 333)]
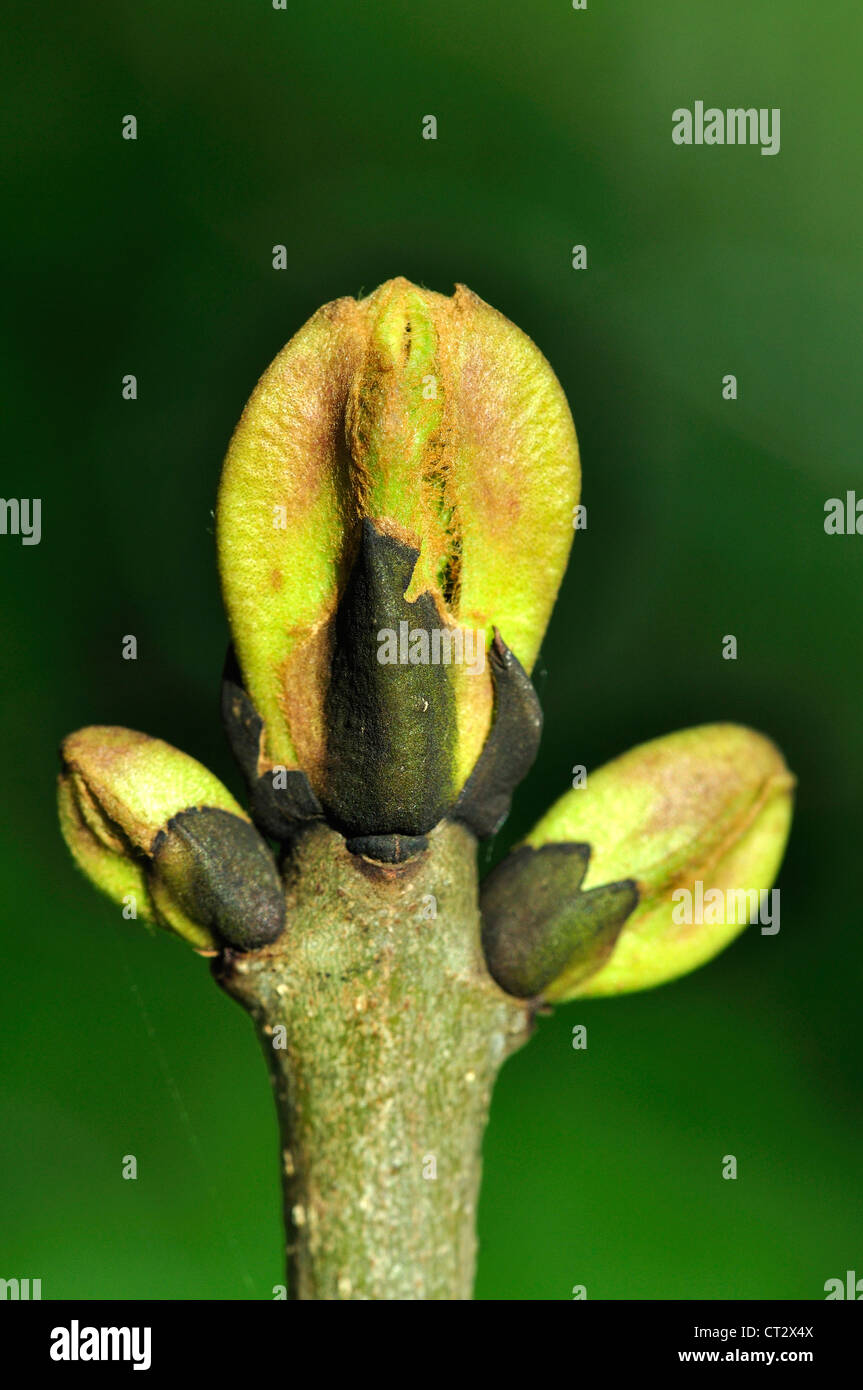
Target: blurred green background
[(303, 127)]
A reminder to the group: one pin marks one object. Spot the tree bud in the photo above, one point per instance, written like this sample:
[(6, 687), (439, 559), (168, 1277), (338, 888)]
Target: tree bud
[(401, 483), (142, 818)]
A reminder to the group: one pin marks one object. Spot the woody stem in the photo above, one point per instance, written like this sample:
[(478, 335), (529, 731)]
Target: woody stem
[(384, 1033)]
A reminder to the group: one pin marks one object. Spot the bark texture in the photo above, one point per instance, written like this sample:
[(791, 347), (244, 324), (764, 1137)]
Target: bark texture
[(384, 1032)]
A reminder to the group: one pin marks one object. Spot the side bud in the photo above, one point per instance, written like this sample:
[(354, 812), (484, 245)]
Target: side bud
[(140, 817), (695, 822)]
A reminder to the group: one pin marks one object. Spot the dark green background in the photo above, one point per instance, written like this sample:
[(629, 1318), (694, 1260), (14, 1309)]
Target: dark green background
[(302, 127)]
